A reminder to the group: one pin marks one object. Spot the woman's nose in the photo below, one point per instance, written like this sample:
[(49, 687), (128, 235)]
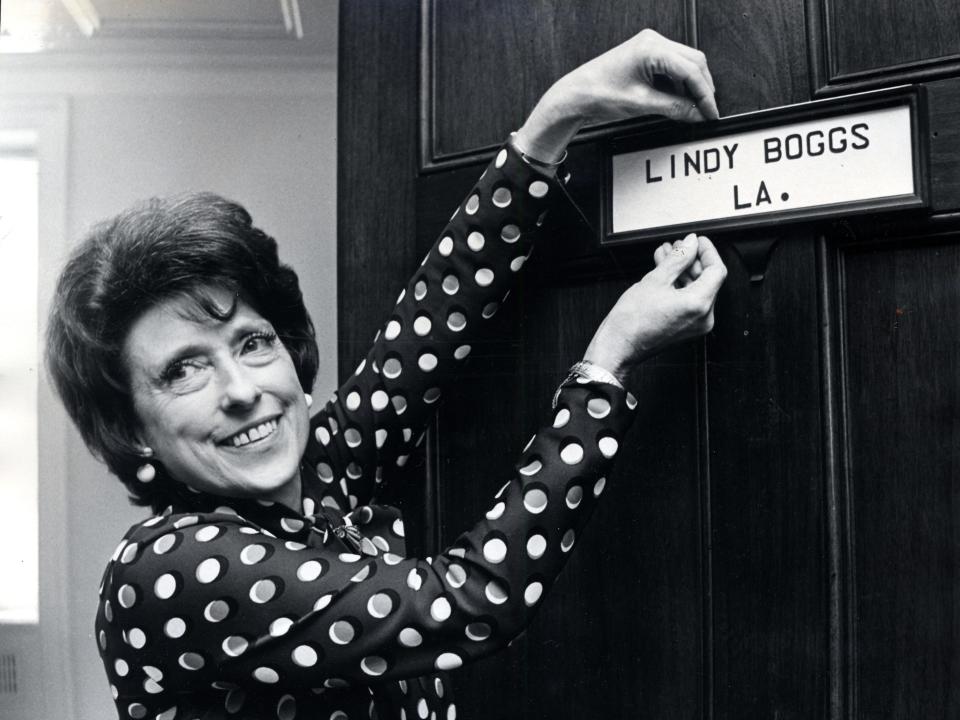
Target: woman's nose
[(240, 389)]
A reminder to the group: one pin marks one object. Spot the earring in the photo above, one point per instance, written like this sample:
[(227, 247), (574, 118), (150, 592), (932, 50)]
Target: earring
[(309, 398), (146, 472)]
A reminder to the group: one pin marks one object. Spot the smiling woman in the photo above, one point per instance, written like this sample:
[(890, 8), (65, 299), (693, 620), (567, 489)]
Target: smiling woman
[(271, 583), (208, 266), (217, 397)]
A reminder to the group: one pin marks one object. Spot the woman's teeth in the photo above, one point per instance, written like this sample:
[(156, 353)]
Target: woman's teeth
[(258, 433)]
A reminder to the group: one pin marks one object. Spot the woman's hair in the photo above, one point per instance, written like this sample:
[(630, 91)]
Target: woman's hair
[(185, 245)]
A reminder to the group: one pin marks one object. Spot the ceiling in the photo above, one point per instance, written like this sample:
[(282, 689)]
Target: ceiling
[(294, 30)]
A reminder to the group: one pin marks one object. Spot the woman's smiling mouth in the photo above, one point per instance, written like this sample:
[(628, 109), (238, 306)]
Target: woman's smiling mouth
[(252, 435)]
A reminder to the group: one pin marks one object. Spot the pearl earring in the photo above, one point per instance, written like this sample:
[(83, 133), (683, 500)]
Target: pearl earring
[(146, 472), (309, 398)]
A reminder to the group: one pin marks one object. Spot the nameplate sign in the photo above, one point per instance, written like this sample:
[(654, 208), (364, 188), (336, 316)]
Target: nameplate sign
[(840, 161)]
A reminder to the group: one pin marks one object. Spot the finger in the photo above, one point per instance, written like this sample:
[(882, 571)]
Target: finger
[(661, 252), (713, 272), (689, 73), (713, 86), (707, 252), (706, 103), (695, 56), (675, 107), (709, 282), (679, 259), (658, 255), (684, 280), (690, 274), (715, 281)]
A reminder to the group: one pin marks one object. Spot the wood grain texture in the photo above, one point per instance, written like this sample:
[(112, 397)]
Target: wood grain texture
[(903, 395), (757, 52), (836, 507), (493, 59), (943, 134), (620, 633), (376, 167), (701, 589), (874, 34), (625, 616), (904, 52), (768, 542)]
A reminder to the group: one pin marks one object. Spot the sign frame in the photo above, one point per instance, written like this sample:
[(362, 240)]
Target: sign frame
[(911, 96)]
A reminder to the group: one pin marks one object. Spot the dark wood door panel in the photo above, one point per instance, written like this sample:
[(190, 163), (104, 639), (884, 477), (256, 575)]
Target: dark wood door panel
[(943, 136), (869, 35), (377, 159), (376, 218), (902, 350), (860, 44), (621, 632), (702, 588), (488, 61), (770, 590), (757, 55)]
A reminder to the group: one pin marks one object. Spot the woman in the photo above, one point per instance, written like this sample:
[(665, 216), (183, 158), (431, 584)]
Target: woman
[(269, 583)]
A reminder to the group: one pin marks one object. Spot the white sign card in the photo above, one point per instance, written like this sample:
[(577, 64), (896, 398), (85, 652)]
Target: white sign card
[(835, 160)]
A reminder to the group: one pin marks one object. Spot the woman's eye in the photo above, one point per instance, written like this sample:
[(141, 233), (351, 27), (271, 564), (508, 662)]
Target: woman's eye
[(259, 343), (182, 374)]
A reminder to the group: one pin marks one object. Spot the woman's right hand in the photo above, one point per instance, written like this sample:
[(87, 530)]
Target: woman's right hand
[(617, 85), (671, 303)]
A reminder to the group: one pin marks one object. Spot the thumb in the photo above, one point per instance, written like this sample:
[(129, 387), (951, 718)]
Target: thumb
[(675, 107), (679, 259)]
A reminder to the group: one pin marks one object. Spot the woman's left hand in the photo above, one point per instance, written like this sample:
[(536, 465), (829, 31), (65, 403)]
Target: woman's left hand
[(617, 85), (671, 303)]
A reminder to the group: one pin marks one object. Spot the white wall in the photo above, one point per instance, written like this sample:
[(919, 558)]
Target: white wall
[(263, 137)]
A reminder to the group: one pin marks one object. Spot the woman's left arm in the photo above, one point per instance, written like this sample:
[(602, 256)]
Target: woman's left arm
[(379, 413)]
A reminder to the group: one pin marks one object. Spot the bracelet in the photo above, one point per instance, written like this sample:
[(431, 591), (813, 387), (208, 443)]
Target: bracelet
[(530, 160), (584, 372), (594, 373)]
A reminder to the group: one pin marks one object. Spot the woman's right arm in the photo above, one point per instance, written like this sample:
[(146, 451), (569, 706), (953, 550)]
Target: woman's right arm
[(379, 413), (375, 419)]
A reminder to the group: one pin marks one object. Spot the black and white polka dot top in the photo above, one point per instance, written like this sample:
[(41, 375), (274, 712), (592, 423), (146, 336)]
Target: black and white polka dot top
[(229, 608)]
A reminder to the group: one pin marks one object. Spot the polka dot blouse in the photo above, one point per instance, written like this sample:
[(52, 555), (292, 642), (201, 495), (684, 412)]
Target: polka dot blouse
[(227, 608)]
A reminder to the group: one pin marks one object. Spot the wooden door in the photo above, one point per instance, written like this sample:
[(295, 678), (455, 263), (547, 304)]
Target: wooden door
[(781, 538)]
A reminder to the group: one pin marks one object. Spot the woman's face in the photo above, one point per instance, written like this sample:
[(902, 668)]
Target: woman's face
[(218, 401)]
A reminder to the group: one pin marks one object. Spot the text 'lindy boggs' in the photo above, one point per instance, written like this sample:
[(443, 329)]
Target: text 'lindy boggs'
[(793, 146)]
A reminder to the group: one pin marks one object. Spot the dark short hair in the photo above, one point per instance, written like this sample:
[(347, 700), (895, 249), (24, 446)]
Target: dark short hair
[(162, 248)]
